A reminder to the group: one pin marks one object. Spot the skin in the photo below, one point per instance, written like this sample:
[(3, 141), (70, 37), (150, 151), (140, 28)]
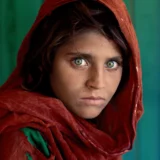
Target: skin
[(89, 65)]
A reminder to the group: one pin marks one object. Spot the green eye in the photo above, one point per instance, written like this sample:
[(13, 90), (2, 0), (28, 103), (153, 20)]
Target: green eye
[(112, 64), (79, 62)]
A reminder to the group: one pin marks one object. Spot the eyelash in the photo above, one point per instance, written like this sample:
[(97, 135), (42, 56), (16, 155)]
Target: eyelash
[(119, 63), (76, 58)]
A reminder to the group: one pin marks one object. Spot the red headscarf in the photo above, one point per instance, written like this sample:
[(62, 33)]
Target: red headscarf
[(70, 137)]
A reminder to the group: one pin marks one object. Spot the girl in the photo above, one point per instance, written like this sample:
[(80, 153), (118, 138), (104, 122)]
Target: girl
[(76, 91)]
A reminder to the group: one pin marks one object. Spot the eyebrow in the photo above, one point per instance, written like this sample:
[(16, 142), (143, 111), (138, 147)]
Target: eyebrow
[(90, 57)]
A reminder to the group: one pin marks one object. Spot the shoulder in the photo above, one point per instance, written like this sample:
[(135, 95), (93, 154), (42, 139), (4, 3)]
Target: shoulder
[(20, 96), (16, 95), (22, 144), (36, 139), (22, 101)]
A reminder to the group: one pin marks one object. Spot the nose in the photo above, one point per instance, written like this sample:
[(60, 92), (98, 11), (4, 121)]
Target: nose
[(96, 78)]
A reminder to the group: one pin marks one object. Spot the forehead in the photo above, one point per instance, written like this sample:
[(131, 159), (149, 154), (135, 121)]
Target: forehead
[(92, 43)]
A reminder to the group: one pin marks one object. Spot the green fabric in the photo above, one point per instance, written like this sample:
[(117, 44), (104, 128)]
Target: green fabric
[(28, 156), (36, 139)]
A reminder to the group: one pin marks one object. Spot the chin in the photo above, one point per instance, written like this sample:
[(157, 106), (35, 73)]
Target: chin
[(89, 115)]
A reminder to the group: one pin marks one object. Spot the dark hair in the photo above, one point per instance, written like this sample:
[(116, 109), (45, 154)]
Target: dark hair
[(56, 29)]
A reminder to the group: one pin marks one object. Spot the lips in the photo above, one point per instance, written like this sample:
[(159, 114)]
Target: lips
[(94, 98), (95, 101)]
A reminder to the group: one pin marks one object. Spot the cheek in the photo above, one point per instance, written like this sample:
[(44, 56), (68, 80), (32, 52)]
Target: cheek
[(114, 79), (66, 82), (118, 76)]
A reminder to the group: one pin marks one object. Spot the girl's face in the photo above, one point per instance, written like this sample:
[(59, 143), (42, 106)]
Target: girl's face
[(86, 73)]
